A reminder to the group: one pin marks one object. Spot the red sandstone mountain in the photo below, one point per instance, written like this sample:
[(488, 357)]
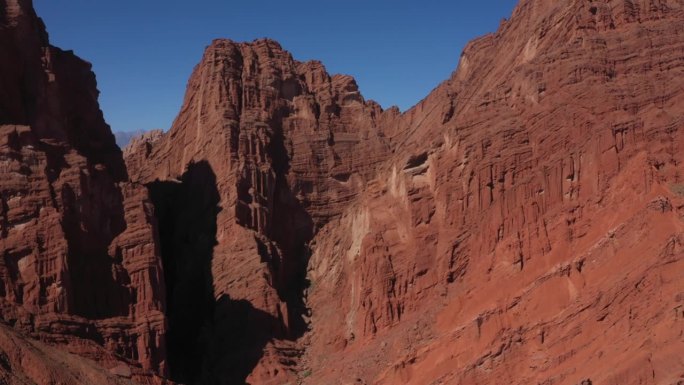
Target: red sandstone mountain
[(273, 149), (79, 267), (522, 224)]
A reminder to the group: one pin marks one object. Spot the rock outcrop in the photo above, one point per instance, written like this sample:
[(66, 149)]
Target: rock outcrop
[(522, 224), (79, 257), (266, 150), (527, 228), (25, 360)]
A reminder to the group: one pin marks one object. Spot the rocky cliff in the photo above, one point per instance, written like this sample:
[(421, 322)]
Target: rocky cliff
[(528, 226), (523, 224), (265, 151), (507, 229), (79, 255)]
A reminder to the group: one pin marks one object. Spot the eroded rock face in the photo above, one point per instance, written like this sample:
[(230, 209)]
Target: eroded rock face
[(276, 148), (506, 229), (79, 263), (522, 224), (25, 360), (528, 228)]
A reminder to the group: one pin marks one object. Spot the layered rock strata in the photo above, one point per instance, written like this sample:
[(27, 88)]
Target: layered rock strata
[(270, 149), (522, 224), (528, 227), (79, 263), (503, 230)]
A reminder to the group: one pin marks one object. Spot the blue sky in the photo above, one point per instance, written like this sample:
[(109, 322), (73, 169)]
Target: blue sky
[(143, 51)]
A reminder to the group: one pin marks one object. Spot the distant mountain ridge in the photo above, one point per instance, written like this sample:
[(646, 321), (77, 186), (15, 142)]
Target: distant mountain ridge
[(123, 138)]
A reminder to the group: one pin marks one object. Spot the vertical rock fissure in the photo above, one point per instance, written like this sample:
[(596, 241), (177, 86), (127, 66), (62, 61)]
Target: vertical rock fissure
[(186, 212), (292, 230)]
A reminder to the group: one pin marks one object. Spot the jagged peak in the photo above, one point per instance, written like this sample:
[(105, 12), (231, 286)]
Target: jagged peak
[(266, 42)]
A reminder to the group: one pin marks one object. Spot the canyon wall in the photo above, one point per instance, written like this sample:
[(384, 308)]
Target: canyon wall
[(274, 149), (528, 226), (79, 263), (505, 229), (524, 223)]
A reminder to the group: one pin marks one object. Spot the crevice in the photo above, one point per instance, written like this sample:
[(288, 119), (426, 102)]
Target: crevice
[(186, 213), (292, 230), (416, 161)]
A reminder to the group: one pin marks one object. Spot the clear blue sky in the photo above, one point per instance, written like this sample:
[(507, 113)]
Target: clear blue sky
[(143, 51)]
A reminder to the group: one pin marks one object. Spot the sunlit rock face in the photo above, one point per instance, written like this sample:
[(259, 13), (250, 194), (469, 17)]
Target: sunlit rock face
[(502, 230), (522, 224), (527, 227)]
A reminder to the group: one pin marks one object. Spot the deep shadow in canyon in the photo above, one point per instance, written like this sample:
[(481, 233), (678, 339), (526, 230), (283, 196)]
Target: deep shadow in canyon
[(210, 340), (90, 223), (292, 229), (186, 213)]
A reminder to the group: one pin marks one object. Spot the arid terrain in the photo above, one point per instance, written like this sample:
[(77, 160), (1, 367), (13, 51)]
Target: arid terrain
[(523, 224)]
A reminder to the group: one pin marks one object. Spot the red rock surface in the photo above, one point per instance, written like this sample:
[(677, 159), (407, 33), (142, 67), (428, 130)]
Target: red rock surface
[(522, 224), (528, 228), (276, 149), (28, 361), (79, 264)]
